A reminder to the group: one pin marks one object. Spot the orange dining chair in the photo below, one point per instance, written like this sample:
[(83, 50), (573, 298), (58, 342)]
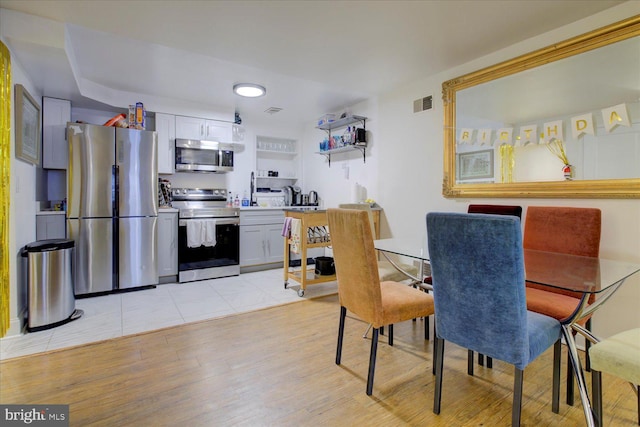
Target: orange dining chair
[(359, 287), (386, 270), (568, 230)]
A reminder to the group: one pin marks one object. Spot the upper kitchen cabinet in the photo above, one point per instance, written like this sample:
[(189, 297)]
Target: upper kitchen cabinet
[(196, 128), (55, 115), (166, 129)]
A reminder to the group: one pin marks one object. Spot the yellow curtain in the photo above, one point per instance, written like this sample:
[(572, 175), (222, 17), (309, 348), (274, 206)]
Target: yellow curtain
[(5, 173)]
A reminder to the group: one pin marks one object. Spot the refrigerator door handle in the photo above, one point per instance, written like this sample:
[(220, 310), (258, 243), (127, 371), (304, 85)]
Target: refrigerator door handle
[(115, 188)]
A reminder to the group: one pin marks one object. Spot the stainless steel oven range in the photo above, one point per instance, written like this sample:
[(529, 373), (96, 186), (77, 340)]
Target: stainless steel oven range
[(208, 234)]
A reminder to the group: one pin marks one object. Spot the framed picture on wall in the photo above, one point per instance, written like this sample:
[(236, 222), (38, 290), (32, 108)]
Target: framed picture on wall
[(475, 165), (27, 126)]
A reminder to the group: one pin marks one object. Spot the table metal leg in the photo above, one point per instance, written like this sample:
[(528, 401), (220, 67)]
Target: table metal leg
[(578, 373), (367, 331)]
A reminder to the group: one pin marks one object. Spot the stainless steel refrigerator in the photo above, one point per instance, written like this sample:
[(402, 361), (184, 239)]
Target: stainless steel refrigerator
[(112, 207)]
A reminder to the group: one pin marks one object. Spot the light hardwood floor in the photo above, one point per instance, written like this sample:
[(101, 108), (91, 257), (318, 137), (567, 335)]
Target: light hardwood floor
[(276, 367)]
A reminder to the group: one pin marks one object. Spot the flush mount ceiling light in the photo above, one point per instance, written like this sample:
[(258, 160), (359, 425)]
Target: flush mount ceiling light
[(249, 90)]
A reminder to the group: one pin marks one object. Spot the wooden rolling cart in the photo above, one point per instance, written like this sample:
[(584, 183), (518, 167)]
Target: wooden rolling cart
[(310, 219)]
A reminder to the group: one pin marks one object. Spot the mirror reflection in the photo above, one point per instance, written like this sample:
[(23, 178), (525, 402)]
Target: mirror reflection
[(550, 122)]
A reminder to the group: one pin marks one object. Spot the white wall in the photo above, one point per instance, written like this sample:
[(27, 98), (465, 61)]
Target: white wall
[(404, 169), (335, 183), (22, 211)]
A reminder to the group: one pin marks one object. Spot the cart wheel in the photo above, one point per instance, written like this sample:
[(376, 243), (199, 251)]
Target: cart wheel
[(300, 292), (286, 284)]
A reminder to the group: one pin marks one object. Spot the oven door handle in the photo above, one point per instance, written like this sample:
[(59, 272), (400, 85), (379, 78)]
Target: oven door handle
[(222, 221)]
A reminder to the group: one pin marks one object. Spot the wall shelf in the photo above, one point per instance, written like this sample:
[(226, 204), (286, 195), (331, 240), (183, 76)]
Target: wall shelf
[(340, 123), (277, 153), (345, 149), (276, 178), (346, 121)]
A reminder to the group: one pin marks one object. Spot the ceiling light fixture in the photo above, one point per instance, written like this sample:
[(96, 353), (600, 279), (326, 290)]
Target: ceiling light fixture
[(249, 90)]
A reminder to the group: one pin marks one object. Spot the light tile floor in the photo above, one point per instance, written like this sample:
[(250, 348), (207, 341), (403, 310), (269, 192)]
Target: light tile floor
[(117, 315)]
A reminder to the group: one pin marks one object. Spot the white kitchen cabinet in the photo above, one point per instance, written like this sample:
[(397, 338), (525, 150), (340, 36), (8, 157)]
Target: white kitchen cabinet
[(261, 241), (167, 243), (197, 128), (56, 113), (190, 127), (50, 226), (166, 128), (274, 251), (252, 245), (216, 130)]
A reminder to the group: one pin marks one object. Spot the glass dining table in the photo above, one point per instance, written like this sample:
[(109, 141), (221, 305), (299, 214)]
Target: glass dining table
[(585, 275)]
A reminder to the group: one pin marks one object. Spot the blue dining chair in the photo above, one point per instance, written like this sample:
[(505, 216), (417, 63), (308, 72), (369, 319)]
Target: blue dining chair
[(483, 209), (477, 265)]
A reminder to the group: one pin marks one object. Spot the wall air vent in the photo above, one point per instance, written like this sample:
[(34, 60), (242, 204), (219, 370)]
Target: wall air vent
[(423, 104), (273, 110)]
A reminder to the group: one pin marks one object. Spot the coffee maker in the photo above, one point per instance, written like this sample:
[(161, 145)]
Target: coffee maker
[(297, 197), (288, 195)]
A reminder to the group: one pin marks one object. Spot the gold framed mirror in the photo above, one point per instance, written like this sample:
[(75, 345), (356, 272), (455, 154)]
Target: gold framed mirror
[(561, 122)]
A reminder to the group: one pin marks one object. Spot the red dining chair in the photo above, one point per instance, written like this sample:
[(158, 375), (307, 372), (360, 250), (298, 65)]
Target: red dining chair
[(568, 230)]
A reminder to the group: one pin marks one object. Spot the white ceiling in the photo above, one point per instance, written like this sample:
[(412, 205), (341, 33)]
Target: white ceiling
[(312, 56)]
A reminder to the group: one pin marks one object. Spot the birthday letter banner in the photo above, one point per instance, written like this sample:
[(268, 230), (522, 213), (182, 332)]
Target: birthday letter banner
[(581, 125), (484, 136), (529, 135), (614, 116), (552, 131), (584, 124), (505, 136), (466, 135)]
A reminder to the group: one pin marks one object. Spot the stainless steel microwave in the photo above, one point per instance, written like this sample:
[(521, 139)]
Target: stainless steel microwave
[(203, 156)]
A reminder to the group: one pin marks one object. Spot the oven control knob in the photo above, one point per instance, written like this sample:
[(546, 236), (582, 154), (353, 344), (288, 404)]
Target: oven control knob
[(215, 192)]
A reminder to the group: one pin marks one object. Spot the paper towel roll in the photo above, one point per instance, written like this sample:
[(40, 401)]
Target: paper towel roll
[(354, 192), (358, 193)]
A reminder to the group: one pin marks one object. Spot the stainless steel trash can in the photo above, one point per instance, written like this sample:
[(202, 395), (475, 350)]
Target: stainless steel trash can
[(51, 301)]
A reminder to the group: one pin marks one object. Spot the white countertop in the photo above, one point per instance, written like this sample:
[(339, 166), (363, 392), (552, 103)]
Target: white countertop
[(262, 208), (51, 212), (163, 209)]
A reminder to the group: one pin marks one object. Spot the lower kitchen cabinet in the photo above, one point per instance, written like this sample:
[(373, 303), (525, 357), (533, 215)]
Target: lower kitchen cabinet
[(261, 240), (167, 244), (51, 226)]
